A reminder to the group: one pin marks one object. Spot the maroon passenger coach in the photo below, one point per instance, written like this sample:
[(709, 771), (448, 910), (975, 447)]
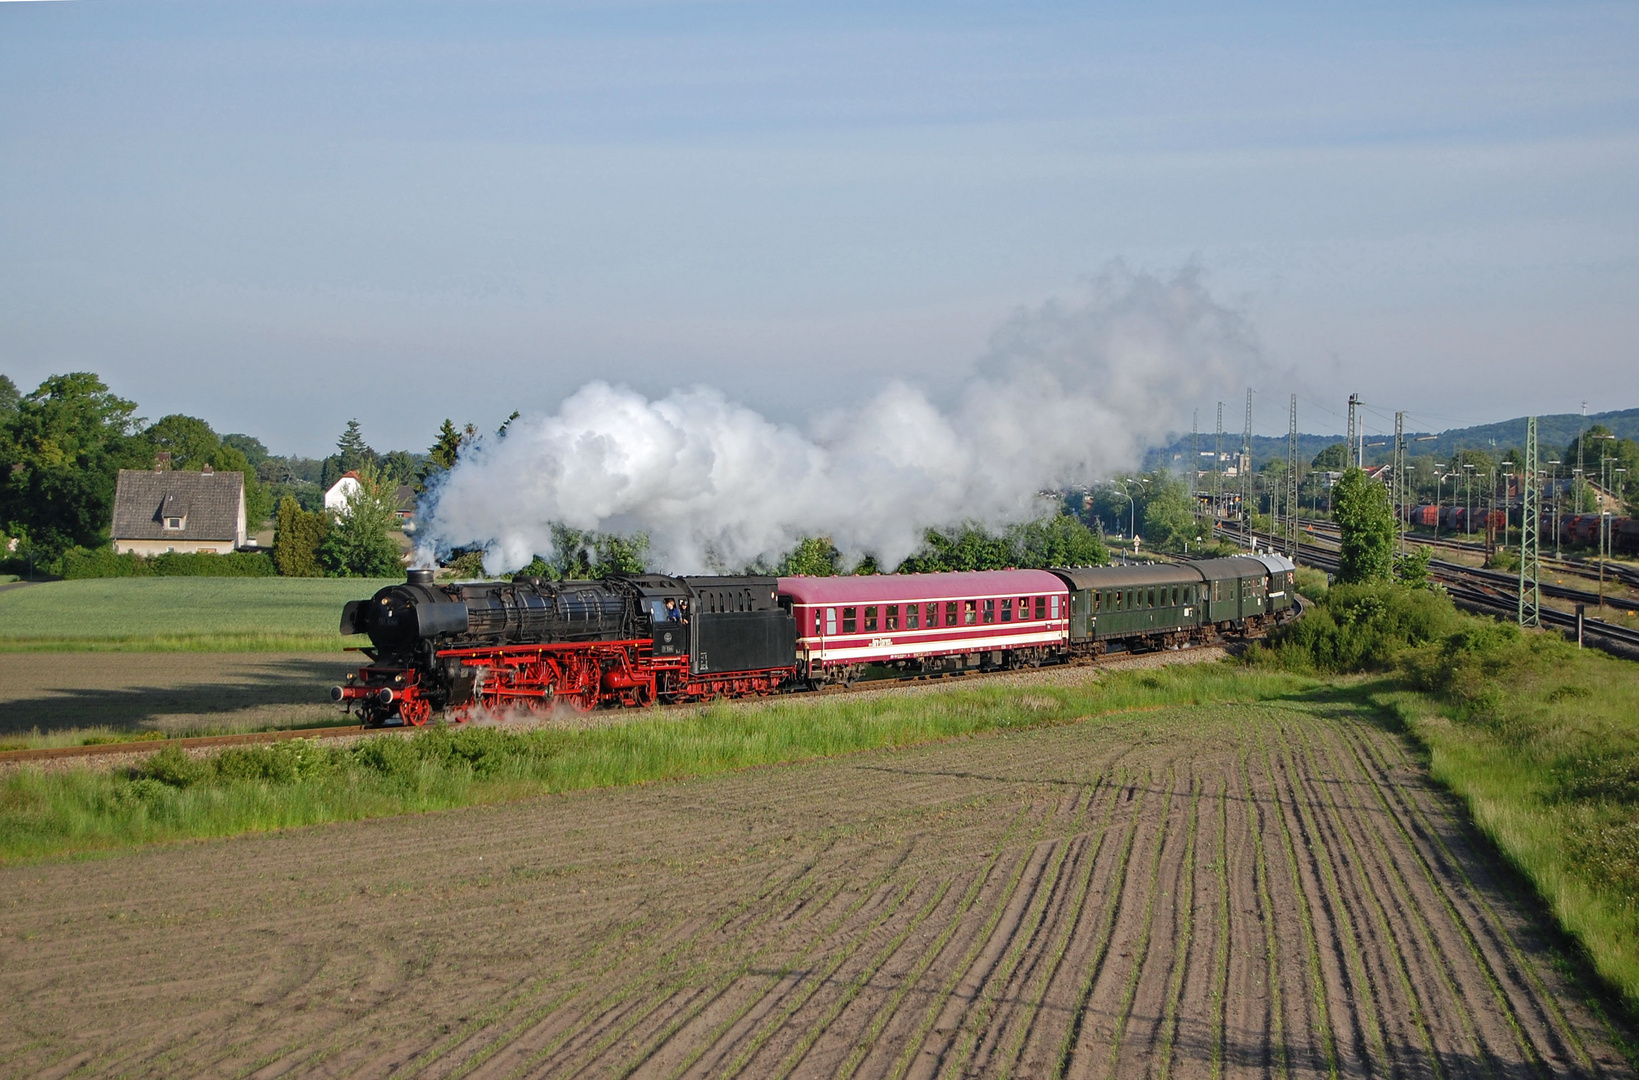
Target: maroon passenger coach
[(927, 623)]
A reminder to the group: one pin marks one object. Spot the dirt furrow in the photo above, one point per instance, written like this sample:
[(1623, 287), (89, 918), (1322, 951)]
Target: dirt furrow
[(1240, 891), (1462, 883)]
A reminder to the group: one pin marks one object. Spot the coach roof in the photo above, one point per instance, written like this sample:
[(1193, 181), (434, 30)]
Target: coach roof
[(1126, 577), (888, 588)]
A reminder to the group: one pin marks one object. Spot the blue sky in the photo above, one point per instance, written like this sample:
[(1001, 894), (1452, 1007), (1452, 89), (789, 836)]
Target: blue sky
[(281, 215)]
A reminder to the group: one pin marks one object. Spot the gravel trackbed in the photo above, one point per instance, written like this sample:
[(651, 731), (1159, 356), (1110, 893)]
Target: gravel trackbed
[(1271, 890)]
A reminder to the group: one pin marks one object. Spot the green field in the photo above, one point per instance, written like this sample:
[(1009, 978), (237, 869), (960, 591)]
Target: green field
[(193, 614)]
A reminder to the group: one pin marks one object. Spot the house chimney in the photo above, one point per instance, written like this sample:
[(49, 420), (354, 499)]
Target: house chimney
[(207, 470), (162, 461)]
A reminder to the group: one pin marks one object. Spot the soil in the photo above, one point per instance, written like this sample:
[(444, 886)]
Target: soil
[(173, 692), (1269, 890)]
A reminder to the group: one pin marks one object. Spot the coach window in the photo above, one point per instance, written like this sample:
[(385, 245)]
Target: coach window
[(970, 612), (891, 617), (830, 620), (1007, 610), (913, 616), (990, 611), (870, 618), (1055, 607), (848, 623), (1041, 607), (1152, 599), (950, 612)]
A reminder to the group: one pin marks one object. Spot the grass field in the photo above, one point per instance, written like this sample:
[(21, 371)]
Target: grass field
[(183, 614), (298, 782)]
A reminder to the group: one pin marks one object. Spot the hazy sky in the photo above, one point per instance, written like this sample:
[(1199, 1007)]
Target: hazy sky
[(281, 215)]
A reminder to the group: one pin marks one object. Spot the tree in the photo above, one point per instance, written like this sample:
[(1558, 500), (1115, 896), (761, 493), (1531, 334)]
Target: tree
[(1061, 540), (1335, 458), (357, 544), (1169, 520), (442, 454), (398, 467), (814, 556), (188, 439), (60, 453), (297, 536), (1366, 521), (352, 449), (8, 398), (193, 444), (251, 447)]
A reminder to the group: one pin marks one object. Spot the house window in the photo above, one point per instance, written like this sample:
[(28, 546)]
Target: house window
[(173, 523), (830, 620), (990, 611), (1041, 607), (913, 616), (891, 618), (970, 612), (870, 619), (848, 620), (1007, 609)]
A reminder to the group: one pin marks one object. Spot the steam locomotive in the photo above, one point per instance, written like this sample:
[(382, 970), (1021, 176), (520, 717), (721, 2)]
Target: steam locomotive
[(634, 640)]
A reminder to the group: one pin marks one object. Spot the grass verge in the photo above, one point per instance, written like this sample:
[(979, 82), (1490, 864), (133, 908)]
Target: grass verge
[(1538, 738), (173, 796), (179, 614)]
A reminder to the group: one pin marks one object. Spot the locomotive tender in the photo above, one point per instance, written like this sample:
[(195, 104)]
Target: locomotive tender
[(635, 640)]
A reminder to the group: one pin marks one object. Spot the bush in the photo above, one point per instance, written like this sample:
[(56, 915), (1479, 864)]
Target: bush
[(237, 564), (1363, 628), (78, 563)]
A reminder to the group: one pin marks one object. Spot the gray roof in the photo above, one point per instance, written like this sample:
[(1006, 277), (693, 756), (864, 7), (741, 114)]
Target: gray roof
[(208, 503)]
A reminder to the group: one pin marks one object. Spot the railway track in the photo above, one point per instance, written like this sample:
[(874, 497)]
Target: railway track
[(254, 738), (1616, 573)]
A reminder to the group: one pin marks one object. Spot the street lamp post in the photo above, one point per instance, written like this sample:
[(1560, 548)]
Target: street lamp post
[(1468, 498), (1554, 464), (1505, 477), (1439, 479)]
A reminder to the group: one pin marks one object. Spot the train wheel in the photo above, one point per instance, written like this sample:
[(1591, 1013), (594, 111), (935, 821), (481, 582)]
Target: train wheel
[(415, 712)]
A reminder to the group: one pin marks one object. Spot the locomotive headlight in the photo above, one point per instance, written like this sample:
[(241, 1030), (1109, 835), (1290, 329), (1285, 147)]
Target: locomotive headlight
[(398, 679), (352, 676)]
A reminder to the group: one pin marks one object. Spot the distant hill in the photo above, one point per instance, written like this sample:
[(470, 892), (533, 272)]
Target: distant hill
[(1554, 433)]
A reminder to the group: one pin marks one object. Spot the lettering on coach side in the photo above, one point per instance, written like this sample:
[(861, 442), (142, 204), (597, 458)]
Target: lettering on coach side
[(881, 642)]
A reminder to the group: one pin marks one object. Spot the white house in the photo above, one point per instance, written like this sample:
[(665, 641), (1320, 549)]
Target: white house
[(156, 512), (335, 500)]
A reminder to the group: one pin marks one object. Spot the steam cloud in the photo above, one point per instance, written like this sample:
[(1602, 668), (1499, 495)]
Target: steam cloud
[(1067, 392)]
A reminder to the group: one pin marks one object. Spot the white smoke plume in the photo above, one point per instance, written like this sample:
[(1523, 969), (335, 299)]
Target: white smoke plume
[(1068, 392)]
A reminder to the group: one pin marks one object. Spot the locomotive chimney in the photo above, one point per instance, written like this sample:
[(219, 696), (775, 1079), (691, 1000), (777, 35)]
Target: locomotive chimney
[(419, 577)]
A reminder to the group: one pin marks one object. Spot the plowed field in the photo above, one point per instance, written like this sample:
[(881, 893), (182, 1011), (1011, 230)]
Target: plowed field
[(1218, 891)]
